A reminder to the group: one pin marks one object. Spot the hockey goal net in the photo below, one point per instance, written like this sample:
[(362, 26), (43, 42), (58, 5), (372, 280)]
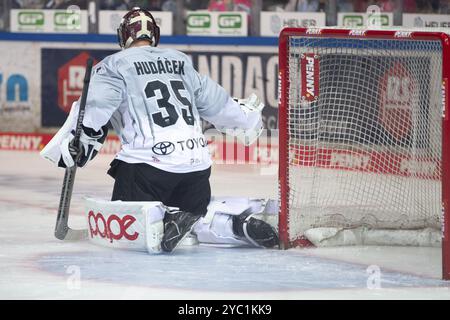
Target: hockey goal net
[(364, 138)]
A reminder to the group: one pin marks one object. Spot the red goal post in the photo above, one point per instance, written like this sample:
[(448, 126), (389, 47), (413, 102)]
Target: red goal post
[(322, 129)]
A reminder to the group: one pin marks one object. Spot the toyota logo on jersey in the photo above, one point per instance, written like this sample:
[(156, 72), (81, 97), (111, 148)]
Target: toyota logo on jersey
[(163, 148)]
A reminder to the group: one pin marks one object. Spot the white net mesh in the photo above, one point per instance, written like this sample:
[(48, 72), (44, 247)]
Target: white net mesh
[(364, 121)]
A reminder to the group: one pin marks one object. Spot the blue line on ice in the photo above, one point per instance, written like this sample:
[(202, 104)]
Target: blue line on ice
[(224, 269)]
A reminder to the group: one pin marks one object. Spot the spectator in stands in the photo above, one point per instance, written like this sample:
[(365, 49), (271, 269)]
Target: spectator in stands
[(233, 5), (274, 5), (196, 4), (27, 4), (409, 6), (424, 6), (303, 5), (151, 5), (345, 6), (444, 7), (16, 4), (64, 4), (2, 15), (386, 5), (362, 5), (230, 5), (113, 5), (169, 5)]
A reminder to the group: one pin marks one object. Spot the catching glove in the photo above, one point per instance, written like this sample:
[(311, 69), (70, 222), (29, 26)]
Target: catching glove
[(252, 106)]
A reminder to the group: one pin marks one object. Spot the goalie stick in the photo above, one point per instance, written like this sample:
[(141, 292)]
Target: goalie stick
[(62, 230)]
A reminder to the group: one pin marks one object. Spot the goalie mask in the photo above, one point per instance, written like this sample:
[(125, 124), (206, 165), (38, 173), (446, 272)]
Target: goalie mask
[(137, 24)]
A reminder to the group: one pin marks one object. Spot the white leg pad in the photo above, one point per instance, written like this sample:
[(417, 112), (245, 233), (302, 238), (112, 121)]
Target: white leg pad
[(154, 230), (126, 225)]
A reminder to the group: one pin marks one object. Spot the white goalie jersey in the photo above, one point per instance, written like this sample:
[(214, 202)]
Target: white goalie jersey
[(154, 99)]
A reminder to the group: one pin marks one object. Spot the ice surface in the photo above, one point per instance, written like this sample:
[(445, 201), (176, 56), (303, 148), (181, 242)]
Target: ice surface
[(35, 265)]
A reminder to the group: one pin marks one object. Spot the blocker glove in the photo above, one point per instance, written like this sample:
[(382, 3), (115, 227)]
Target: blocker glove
[(90, 144)]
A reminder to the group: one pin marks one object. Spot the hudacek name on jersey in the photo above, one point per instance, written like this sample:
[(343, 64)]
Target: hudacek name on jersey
[(166, 66)]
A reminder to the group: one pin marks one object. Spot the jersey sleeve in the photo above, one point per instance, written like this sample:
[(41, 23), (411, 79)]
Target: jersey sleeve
[(210, 97), (232, 116), (215, 105), (106, 92)]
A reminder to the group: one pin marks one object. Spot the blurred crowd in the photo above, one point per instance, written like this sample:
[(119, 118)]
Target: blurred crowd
[(422, 6), (47, 4), (407, 6), (251, 7)]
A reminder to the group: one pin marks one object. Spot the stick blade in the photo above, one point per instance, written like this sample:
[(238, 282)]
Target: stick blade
[(76, 235), (72, 235)]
